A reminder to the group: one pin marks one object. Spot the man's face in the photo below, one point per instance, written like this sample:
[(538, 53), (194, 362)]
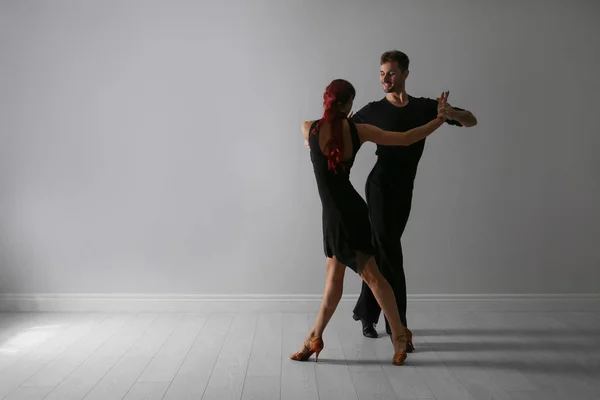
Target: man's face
[(392, 77)]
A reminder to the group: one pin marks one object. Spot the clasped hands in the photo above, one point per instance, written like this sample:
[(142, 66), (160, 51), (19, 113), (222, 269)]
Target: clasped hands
[(445, 111)]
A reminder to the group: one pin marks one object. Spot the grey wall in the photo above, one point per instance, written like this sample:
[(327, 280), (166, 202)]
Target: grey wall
[(154, 146)]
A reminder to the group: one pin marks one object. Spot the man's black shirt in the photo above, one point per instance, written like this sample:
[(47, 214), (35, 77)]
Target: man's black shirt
[(383, 114)]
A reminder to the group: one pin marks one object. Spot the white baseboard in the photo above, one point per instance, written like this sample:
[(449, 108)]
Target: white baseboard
[(288, 303)]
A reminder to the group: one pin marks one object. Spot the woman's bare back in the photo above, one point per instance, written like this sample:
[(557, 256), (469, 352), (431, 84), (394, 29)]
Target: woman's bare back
[(347, 147)]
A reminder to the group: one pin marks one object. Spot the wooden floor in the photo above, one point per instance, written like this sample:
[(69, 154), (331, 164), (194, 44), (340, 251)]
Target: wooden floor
[(471, 355)]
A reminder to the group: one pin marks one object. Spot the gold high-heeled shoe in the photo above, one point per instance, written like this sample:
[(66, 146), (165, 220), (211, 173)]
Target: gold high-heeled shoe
[(400, 357), (311, 346), (410, 348)]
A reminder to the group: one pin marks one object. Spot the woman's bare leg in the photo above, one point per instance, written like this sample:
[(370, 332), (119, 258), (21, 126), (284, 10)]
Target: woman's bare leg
[(387, 301), (334, 286)]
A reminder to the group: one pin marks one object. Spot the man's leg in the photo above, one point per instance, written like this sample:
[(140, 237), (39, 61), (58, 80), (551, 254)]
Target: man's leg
[(394, 273), (390, 198), (393, 269), (386, 228), (367, 310)]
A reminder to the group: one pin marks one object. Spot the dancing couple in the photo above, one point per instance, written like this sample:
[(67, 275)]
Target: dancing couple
[(398, 124)]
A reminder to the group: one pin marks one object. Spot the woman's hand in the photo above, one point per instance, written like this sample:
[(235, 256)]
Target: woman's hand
[(444, 110)]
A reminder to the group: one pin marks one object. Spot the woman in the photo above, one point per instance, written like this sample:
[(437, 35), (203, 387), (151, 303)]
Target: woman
[(334, 141)]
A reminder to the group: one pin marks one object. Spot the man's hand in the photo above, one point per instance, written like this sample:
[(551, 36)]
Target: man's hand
[(306, 143)]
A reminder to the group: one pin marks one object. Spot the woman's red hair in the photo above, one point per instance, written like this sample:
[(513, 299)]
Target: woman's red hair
[(337, 93)]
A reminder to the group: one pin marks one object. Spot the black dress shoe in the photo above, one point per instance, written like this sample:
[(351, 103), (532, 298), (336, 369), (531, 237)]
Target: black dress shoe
[(368, 328)]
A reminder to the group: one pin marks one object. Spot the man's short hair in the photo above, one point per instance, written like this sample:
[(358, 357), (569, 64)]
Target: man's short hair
[(397, 56)]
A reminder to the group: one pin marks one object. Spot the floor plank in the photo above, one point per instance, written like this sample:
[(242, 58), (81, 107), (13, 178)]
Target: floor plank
[(169, 358), (334, 380), (228, 376), (298, 380), (119, 380), (147, 391), (192, 378), (84, 378), (15, 375), (53, 373)]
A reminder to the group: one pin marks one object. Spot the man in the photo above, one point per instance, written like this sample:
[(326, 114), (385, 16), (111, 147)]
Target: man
[(389, 187)]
